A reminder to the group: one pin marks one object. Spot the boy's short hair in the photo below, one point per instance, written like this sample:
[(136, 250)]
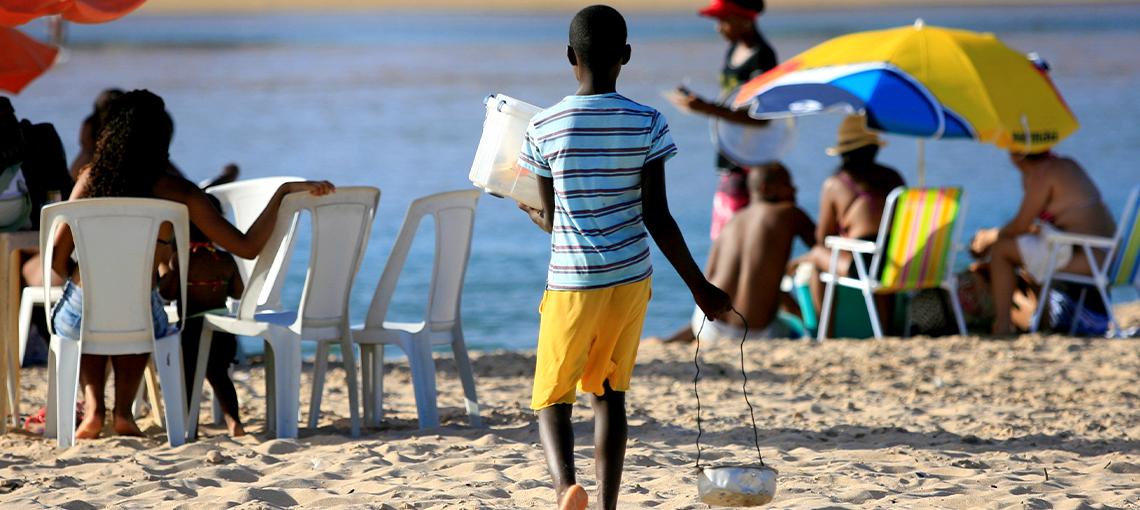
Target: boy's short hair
[(766, 173), (598, 36)]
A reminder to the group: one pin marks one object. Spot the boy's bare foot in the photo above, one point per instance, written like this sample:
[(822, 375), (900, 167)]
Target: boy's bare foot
[(125, 425), (574, 498), (91, 426), (235, 428)]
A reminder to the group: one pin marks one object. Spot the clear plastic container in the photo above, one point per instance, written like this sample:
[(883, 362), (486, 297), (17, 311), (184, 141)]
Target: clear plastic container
[(494, 169)]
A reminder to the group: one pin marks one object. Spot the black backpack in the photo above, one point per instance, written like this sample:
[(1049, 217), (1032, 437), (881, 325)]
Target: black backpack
[(45, 166)]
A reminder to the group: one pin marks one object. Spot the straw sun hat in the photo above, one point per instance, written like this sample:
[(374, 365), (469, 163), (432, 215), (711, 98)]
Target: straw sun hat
[(853, 134)]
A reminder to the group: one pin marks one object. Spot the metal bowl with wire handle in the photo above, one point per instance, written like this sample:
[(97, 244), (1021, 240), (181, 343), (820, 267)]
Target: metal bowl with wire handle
[(736, 486), (732, 485)]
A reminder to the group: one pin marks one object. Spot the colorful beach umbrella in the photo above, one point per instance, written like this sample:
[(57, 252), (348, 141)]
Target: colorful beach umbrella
[(25, 59), (923, 81), (18, 12)]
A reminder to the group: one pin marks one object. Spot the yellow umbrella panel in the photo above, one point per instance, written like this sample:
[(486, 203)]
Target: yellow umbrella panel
[(921, 81)]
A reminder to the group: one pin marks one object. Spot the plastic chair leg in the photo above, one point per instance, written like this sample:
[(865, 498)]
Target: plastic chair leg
[(50, 413), (193, 410), (467, 377), (348, 359), (286, 383), (67, 385), (27, 304), (423, 381), (154, 394), (168, 361), (372, 363), (270, 389), (320, 367)]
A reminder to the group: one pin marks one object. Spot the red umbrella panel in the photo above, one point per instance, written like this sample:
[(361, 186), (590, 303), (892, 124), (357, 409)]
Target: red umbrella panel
[(25, 59), (18, 12)]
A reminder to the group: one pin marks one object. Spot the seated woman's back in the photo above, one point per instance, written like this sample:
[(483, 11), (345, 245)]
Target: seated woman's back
[(1072, 201), (853, 200)]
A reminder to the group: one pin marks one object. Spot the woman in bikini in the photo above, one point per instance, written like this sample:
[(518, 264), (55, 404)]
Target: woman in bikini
[(851, 201), (1058, 195), (130, 161)]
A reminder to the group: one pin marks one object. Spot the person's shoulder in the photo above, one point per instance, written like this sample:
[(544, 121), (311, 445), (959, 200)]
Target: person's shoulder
[(635, 106), (174, 187)]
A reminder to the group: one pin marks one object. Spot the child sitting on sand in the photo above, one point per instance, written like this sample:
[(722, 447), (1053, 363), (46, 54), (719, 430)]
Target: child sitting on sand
[(600, 159), (211, 277)]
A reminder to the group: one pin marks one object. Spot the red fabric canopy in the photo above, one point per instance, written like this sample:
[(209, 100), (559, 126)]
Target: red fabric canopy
[(25, 59), (18, 12)]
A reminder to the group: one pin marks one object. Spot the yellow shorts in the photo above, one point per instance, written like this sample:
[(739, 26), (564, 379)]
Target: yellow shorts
[(587, 337)]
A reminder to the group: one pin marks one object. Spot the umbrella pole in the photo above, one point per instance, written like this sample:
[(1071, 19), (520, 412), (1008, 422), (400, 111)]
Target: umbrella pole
[(921, 162)]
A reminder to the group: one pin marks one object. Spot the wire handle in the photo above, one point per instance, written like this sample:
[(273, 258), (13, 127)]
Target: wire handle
[(744, 386)]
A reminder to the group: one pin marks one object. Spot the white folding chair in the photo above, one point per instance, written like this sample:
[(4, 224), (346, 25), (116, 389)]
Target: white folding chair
[(1120, 266), (341, 223), (115, 241), (454, 215), (924, 226)]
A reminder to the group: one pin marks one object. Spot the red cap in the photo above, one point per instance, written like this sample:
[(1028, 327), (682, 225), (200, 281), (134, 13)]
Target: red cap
[(721, 9)]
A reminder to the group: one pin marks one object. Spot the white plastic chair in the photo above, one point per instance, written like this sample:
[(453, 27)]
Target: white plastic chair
[(115, 241), (924, 225), (341, 223), (1120, 265), (30, 298), (454, 214), (243, 201)]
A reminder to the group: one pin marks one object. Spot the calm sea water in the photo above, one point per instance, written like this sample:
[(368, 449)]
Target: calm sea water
[(395, 101)]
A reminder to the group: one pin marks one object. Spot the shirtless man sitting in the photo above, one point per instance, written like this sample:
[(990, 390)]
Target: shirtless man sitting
[(1058, 195), (747, 260)]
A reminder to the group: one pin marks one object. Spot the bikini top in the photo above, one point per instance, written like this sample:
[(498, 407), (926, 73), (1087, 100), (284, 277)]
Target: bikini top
[(859, 193)]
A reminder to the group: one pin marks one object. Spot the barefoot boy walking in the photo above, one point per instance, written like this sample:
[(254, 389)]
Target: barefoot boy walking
[(600, 159)]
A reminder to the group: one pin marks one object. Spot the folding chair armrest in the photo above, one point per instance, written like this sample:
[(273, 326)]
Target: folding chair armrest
[(848, 244), (1080, 239)]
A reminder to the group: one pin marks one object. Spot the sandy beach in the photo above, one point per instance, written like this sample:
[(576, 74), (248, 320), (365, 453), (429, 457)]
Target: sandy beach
[(198, 6), (1039, 422)]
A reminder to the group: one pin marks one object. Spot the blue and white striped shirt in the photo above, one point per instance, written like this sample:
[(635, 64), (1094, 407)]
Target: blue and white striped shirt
[(594, 148)]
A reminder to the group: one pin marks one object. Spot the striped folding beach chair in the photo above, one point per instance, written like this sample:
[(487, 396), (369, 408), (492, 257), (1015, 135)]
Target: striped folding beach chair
[(915, 250), (1118, 268)]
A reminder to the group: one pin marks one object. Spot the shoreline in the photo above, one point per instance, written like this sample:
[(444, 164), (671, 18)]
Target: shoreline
[(190, 7)]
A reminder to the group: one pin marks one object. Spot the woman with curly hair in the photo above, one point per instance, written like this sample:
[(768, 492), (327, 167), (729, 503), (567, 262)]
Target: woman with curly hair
[(131, 160)]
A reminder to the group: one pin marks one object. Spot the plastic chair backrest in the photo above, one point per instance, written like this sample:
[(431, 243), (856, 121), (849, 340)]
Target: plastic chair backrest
[(916, 240), (341, 223), (115, 240), (454, 215), (243, 201), (1126, 250)]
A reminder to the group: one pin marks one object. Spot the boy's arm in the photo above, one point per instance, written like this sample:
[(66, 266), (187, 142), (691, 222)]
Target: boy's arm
[(543, 218), (237, 287), (663, 228), (805, 227)]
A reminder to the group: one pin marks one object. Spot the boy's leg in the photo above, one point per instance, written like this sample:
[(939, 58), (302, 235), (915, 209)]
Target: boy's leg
[(557, 435), (222, 353), (610, 433)]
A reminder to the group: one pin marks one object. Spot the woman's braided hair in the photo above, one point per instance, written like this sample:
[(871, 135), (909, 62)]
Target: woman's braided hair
[(132, 148)]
